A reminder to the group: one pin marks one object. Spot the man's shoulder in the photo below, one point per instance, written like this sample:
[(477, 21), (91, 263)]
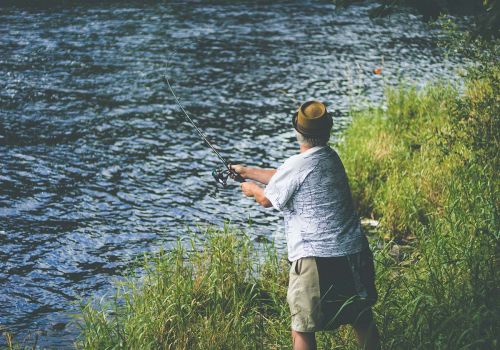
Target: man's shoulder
[(291, 161), (304, 160), (308, 157), (295, 165)]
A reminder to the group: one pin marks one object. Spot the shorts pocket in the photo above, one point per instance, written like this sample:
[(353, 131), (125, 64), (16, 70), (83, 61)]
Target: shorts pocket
[(295, 267), (298, 264)]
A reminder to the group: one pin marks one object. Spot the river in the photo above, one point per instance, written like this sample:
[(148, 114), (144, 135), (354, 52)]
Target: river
[(97, 165)]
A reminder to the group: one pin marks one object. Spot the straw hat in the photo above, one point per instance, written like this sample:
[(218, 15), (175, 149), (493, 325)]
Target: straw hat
[(312, 119)]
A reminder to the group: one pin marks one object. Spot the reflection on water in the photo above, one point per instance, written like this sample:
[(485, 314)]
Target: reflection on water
[(97, 164)]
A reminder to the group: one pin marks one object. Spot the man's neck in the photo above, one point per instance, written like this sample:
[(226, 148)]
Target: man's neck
[(304, 148)]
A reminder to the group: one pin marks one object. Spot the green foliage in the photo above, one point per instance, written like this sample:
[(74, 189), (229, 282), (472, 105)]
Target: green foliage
[(486, 13), (441, 292), (394, 158), (426, 166), (401, 159), (476, 116), (439, 295)]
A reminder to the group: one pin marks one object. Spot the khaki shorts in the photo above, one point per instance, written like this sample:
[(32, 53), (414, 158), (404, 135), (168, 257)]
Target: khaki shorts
[(324, 293)]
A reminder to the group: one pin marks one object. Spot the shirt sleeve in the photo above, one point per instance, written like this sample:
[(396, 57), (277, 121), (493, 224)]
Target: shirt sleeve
[(282, 186)]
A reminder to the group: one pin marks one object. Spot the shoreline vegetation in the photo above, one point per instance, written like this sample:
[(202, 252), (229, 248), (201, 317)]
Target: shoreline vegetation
[(425, 167)]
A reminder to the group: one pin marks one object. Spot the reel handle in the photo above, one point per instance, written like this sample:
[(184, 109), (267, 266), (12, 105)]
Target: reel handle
[(234, 175), (237, 177)]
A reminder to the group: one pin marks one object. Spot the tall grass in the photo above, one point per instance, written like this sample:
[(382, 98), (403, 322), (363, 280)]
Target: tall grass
[(394, 157), (218, 294), (204, 296), (426, 167)]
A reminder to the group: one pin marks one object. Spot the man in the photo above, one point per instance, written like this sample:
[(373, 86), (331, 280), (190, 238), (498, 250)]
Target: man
[(331, 276)]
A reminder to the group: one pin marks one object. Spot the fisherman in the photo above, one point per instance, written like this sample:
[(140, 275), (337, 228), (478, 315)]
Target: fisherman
[(331, 275)]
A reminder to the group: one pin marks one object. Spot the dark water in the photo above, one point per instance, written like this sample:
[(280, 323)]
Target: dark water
[(96, 163)]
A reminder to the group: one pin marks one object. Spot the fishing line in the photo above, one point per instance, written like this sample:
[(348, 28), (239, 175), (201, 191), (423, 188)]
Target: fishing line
[(202, 135), (220, 175)]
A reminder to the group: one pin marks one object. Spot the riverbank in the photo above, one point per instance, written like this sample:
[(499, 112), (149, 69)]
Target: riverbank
[(425, 167)]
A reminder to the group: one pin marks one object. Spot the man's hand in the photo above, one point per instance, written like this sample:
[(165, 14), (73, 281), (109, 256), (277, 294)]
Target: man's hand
[(251, 189), (248, 188), (240, 169)]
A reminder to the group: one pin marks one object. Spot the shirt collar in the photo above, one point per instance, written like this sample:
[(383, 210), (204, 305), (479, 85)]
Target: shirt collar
[(311, 151)]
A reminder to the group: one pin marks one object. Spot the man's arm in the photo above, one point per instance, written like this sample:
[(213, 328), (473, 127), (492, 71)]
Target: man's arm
[(251, 189), (257, 174)]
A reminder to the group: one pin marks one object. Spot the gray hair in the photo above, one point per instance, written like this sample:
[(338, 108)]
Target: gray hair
[(312, 141)]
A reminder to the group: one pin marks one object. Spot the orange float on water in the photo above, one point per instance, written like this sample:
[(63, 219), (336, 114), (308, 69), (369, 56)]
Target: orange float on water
[(377, 71)]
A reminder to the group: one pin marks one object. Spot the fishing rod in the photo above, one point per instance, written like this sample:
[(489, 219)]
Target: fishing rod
[(220, 175)]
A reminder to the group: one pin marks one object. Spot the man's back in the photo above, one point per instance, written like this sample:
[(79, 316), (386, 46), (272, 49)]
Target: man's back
[(312, 190)]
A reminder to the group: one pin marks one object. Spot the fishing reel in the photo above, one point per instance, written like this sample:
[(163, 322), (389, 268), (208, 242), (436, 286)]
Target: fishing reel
[(221, 175)]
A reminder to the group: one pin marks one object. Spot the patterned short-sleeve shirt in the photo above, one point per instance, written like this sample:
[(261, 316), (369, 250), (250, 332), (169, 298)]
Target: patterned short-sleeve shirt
[(312, 190)]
